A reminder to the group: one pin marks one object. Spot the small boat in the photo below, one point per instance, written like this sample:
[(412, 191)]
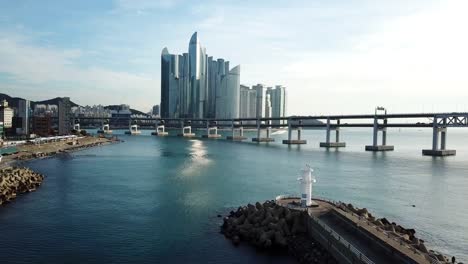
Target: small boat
[(1, 156)]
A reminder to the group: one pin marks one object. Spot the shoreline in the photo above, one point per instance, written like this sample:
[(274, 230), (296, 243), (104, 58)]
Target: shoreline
[(47, 150), (305, 233), (17, 179)]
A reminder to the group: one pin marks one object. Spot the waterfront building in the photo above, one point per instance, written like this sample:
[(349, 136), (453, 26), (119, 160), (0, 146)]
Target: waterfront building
[(278, 98), (268, 112), (42, 125), (155, 111), (24, 110), (64, 116), (6, 114), (1, 131), (195, 85), (261, 100), (248, 102), (121, 114)]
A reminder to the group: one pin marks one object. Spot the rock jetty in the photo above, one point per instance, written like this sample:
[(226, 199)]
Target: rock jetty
[(269, 226), (15, 181)]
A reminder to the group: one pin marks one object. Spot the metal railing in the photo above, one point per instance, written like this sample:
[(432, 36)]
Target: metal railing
[(344, 243)]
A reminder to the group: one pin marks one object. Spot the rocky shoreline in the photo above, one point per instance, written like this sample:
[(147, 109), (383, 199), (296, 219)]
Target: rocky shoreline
[(73, 148), (16, 181), (269, 226)]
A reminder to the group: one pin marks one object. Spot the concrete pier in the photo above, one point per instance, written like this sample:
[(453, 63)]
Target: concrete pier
[(133, 130), (160, 131), (377, 129), (238, 137), (210, 134), (328, 143), (290, 140), (439, 151), (259, 138), (186, 132)]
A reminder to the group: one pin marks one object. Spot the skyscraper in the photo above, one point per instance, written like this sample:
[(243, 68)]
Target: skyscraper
[(24, 111), (64, 114), (248, 102), (194, 85), (278, 102), (261, 100)]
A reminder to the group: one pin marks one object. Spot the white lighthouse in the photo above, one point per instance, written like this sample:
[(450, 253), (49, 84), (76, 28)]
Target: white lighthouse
[(306, 186)]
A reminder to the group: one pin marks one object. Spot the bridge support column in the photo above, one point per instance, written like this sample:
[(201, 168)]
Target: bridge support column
[(160, 131), (297, 141), (210, 130), (328, 143), (259, 132), (77, 128), (234, 137), (436, 150), (377, 129), (186, 130), (133, 130)]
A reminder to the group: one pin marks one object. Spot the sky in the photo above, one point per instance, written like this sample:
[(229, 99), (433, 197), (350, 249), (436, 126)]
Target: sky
[(334, 56)]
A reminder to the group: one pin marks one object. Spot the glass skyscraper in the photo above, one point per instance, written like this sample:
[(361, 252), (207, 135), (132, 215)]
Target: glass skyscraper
[(194, 85)]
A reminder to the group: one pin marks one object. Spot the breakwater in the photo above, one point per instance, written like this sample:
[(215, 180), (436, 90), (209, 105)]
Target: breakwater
[(15, 181), (328, 232), (269, 226)]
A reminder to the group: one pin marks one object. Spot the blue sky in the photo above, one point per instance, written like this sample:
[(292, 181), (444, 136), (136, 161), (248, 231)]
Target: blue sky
[(333, 56)]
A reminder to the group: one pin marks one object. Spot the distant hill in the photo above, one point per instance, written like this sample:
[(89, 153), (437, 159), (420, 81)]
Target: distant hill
[(13, 101), (307, 121), (117, 107)]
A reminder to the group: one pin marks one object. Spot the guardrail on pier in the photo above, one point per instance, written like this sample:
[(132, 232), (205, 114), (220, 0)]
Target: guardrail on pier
[(336, 245)]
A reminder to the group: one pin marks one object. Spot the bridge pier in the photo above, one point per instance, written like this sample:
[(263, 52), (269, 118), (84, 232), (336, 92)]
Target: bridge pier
[(235, 137), (259, 131), (186, 132), (337, 143), (290, 140), (383, 129), (105, 129), (133, 130), (76, 127), (160, 131), (436, 150), (209, 131)]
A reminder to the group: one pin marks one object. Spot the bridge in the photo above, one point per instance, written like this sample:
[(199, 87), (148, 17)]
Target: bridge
[(379, 122)]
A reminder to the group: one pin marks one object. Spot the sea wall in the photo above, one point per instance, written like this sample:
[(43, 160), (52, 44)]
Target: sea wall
[(269, 226), (15, 181)]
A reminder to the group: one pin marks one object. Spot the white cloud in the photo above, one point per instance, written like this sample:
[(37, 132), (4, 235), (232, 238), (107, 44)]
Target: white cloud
[(143, 5), (422, 56), (48, 69)]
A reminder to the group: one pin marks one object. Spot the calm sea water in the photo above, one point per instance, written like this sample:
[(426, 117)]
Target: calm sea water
[(156, 200)]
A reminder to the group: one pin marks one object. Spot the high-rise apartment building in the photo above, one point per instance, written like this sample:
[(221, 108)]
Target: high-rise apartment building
[(24, 111), (64, 114), (278, 103), (261, 100), (6, 114), (155, 110), (195, 85), (248, 102)]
